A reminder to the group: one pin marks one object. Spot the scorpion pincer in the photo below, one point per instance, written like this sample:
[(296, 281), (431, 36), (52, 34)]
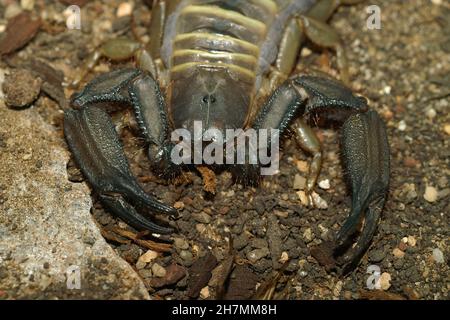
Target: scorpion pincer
[(228, 64)]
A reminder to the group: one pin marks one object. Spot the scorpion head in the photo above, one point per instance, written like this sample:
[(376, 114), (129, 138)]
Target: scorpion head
[(208, 99)]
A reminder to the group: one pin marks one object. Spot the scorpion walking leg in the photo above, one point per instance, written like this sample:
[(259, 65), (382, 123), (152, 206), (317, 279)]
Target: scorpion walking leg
[(365, 147), (308, 141), (296, 32), (95, 145), (120, 49)]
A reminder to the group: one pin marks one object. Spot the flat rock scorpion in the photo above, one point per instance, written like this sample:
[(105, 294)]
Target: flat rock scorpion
[(228, 64)]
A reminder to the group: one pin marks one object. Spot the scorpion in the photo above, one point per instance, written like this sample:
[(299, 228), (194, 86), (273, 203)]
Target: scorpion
[(229, 64)]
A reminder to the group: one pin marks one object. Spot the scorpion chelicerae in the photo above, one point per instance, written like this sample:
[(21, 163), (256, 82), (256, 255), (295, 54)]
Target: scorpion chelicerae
[(228, 64)]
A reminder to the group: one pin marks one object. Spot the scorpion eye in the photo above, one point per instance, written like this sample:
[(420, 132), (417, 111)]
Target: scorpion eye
[(209, 98)]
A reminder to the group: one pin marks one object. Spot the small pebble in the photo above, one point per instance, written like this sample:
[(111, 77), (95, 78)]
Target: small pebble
[(179, 205), (325, 184), (186, 256), (438, 256), (376, 255), (148, 256), (299, 182), (303, 197), (12, 10), (204, 293), (181, 244), (318, 201), (27, 4), (284, 257), (140, 264), (257, 254), (398, 253), (431, 194), (431, 113), (412, 241), (447, 129), (202, 217), (385, 281), (402, 125), (302, 166), (22, 95), (308, 235), (124, 9), (158, 271)]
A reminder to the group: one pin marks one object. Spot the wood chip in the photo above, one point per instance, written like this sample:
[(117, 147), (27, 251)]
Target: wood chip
[(159, 247), (209, 179), (19, 31)]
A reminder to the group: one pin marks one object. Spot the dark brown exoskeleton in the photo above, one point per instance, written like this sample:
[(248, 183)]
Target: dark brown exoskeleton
[(227, 64)]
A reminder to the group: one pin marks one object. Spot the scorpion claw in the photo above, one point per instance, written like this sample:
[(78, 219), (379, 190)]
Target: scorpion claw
[(366, 155), (128, 213), (97, 150)]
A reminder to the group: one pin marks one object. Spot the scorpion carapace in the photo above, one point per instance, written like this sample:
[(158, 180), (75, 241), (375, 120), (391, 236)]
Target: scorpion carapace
[(228, 65)]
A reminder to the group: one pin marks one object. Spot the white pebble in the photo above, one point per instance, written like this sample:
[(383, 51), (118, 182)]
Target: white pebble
[(125, 9), (431, 194), (324, 184), (437, 2), (319, 202), (387, 90), (438, 256), (431, 113), (402, 125)]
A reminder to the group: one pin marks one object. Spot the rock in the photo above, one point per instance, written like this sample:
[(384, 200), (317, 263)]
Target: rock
[(187, 257), (257, 254), (398, 253), (259, 243), (204, 293), (431, 194), (412, 241), (302, 166), (174, 273), (181, 244), (44, 218), (318, 201), (299, 182), (21, 88), (202, 217), (376, 256), (385, 281), (284, 257), (158, 270), (447, 129), (124, 9), (308, 235), (325, 184), (407, 192), (402, 125), (179, 205), (303, 197), (27, 4), (438, 256), (240, 242), (148, 256)]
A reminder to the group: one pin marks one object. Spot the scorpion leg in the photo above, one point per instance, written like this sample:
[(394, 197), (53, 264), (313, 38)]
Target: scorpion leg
[(93, 140), (300, 28), (365, 147), (308, 141)]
